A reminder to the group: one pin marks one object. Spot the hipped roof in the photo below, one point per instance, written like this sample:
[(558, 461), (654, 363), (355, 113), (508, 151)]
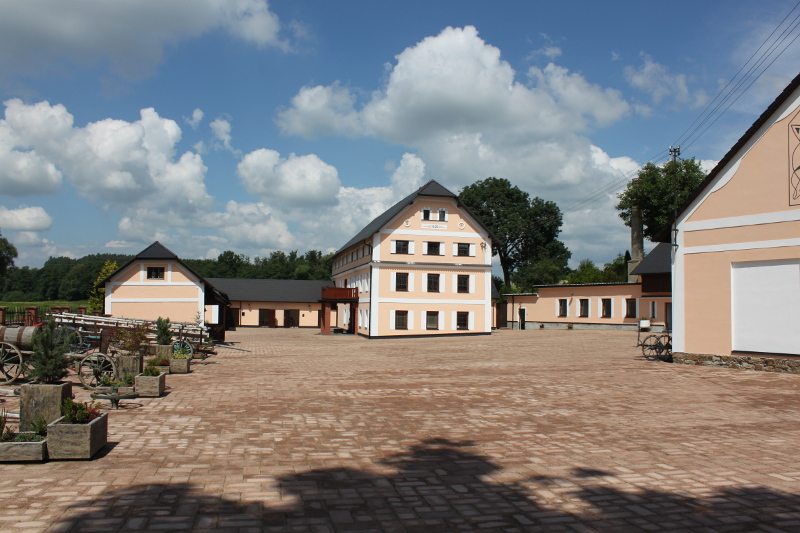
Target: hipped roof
[(271, 290), (658, 261)]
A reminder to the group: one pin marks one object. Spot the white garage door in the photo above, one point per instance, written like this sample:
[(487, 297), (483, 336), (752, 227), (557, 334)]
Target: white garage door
[(766, 306)]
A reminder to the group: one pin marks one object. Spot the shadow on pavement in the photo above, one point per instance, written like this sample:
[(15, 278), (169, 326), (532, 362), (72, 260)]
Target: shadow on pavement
[(438, 486)]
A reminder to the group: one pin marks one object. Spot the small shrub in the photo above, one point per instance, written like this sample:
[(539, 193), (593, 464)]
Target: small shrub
[(159, 360), (79, 412), (48, 363), (131, 339), (6, 434), (163, 333), (39, 426), (29, 437), (128, 380), (151, 370), (181, 353)]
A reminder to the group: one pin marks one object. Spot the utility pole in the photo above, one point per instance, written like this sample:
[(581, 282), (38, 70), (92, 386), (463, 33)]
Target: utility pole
[(675, 152)]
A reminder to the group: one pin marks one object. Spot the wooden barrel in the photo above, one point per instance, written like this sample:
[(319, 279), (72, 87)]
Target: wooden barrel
[(19, 336)]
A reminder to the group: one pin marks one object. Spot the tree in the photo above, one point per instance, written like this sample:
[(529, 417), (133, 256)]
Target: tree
[(658, 191), (97, 298), (521, 225), (8, 252), (549, 268)]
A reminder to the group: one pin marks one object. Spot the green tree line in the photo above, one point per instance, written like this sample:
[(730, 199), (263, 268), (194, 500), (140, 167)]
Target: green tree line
[(64, 278)]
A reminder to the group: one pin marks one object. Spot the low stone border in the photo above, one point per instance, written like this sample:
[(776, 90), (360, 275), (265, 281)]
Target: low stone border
[(743, 362)]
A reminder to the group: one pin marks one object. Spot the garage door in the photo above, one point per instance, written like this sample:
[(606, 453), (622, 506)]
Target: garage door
[(766, 307)]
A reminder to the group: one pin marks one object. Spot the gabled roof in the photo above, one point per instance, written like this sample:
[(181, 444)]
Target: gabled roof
[(271, 290), (658, 261), (432, 188), (664, 235), (158, 251)]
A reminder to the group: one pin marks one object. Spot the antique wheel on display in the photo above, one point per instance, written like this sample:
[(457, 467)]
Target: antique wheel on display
[(183, 344), (666, 348), (651, 347), (62, 333), (11, 361), (94, 367)]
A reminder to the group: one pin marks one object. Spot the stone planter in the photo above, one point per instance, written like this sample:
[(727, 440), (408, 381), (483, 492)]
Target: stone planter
[(163, 350), (163, 369), (128, 365), (119, 390), (151, 386), (77, 441), (17, 452), (179, 366), (41, 400)]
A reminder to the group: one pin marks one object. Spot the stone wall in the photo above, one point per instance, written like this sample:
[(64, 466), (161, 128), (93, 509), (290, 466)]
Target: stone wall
[(744, 362)]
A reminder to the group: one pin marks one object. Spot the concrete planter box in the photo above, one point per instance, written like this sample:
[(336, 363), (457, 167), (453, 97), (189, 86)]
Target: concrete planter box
[(120, 390), (151, 386), (41, 400), (128, 365), (179, 366), (163, 369), (163, 350), (77, 441), (17, 452)]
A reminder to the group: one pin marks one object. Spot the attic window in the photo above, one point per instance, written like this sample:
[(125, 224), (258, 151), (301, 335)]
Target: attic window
[(426, 213), (155, 272), (443, 215)]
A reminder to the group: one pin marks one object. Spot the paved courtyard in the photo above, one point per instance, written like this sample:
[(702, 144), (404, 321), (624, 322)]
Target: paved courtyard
[(519, 431)]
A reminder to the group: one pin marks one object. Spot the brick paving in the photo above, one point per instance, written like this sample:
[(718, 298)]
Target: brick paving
[(519, 431)]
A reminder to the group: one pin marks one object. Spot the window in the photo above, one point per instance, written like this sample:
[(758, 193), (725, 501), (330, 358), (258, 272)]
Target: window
[(401, 247), (630, 308), (432, 319), (463, 283), (653, 306), (562, 307), (462, 320), (433, 248), (401, 320), (433, 282), (463, 249), (606, 307), (443, 215), (426, 214), (584, 305), (155, 272), (401, 282)]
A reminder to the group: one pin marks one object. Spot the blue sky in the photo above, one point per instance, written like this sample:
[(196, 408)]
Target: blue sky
[(243, 125)]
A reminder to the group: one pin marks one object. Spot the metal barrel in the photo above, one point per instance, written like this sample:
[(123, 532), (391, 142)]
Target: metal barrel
[(19, 336)]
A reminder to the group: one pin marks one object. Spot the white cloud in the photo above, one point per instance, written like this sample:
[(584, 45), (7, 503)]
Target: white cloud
[(254, 226), (197, 116), (131, 36), (656, 80), (118, 244), (222, 134), (25, 218), (550, 52), (296, 181)]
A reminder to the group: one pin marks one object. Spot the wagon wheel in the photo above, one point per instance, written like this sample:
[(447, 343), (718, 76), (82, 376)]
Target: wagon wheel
[(11, 361), (651, 347), (183, 344), (666, 348), (94, 367)]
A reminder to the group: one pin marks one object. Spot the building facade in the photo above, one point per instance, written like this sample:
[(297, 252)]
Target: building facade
[(421, 268), (736, 258)]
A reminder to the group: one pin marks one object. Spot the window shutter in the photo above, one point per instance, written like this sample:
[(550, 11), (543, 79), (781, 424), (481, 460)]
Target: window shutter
[(410, 281), (454, 323), (422, 324), (612, 307), (393, 282), (441, 319), (472, 283), (471, 324), (410, 321), (455, 282), (424, 283), (411, 247), (441, 248), (455, 249), (425, 247), (442, 283), (391, 319), (394, 247), (472, 249)]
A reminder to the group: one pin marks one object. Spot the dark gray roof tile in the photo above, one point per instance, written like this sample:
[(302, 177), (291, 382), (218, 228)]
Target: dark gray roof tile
[(270, 290)]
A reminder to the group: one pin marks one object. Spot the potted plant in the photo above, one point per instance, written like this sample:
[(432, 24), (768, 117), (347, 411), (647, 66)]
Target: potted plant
[(48, 366), (644, 323), (163, 337), (161, 362), (121, 386), (80, 432), (179, 362), (151, 382), (132, 343), (23, 446)]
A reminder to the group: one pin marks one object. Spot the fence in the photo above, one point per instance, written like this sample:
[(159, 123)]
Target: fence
[(29, 316)]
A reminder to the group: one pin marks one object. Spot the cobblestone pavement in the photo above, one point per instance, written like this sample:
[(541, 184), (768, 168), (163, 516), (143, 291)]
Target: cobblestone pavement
[(518, 431)]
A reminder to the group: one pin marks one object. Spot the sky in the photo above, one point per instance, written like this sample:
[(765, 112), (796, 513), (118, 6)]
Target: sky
[(243, 125)]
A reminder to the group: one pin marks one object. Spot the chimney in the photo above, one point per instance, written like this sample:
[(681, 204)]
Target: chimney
[(637, 242)]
